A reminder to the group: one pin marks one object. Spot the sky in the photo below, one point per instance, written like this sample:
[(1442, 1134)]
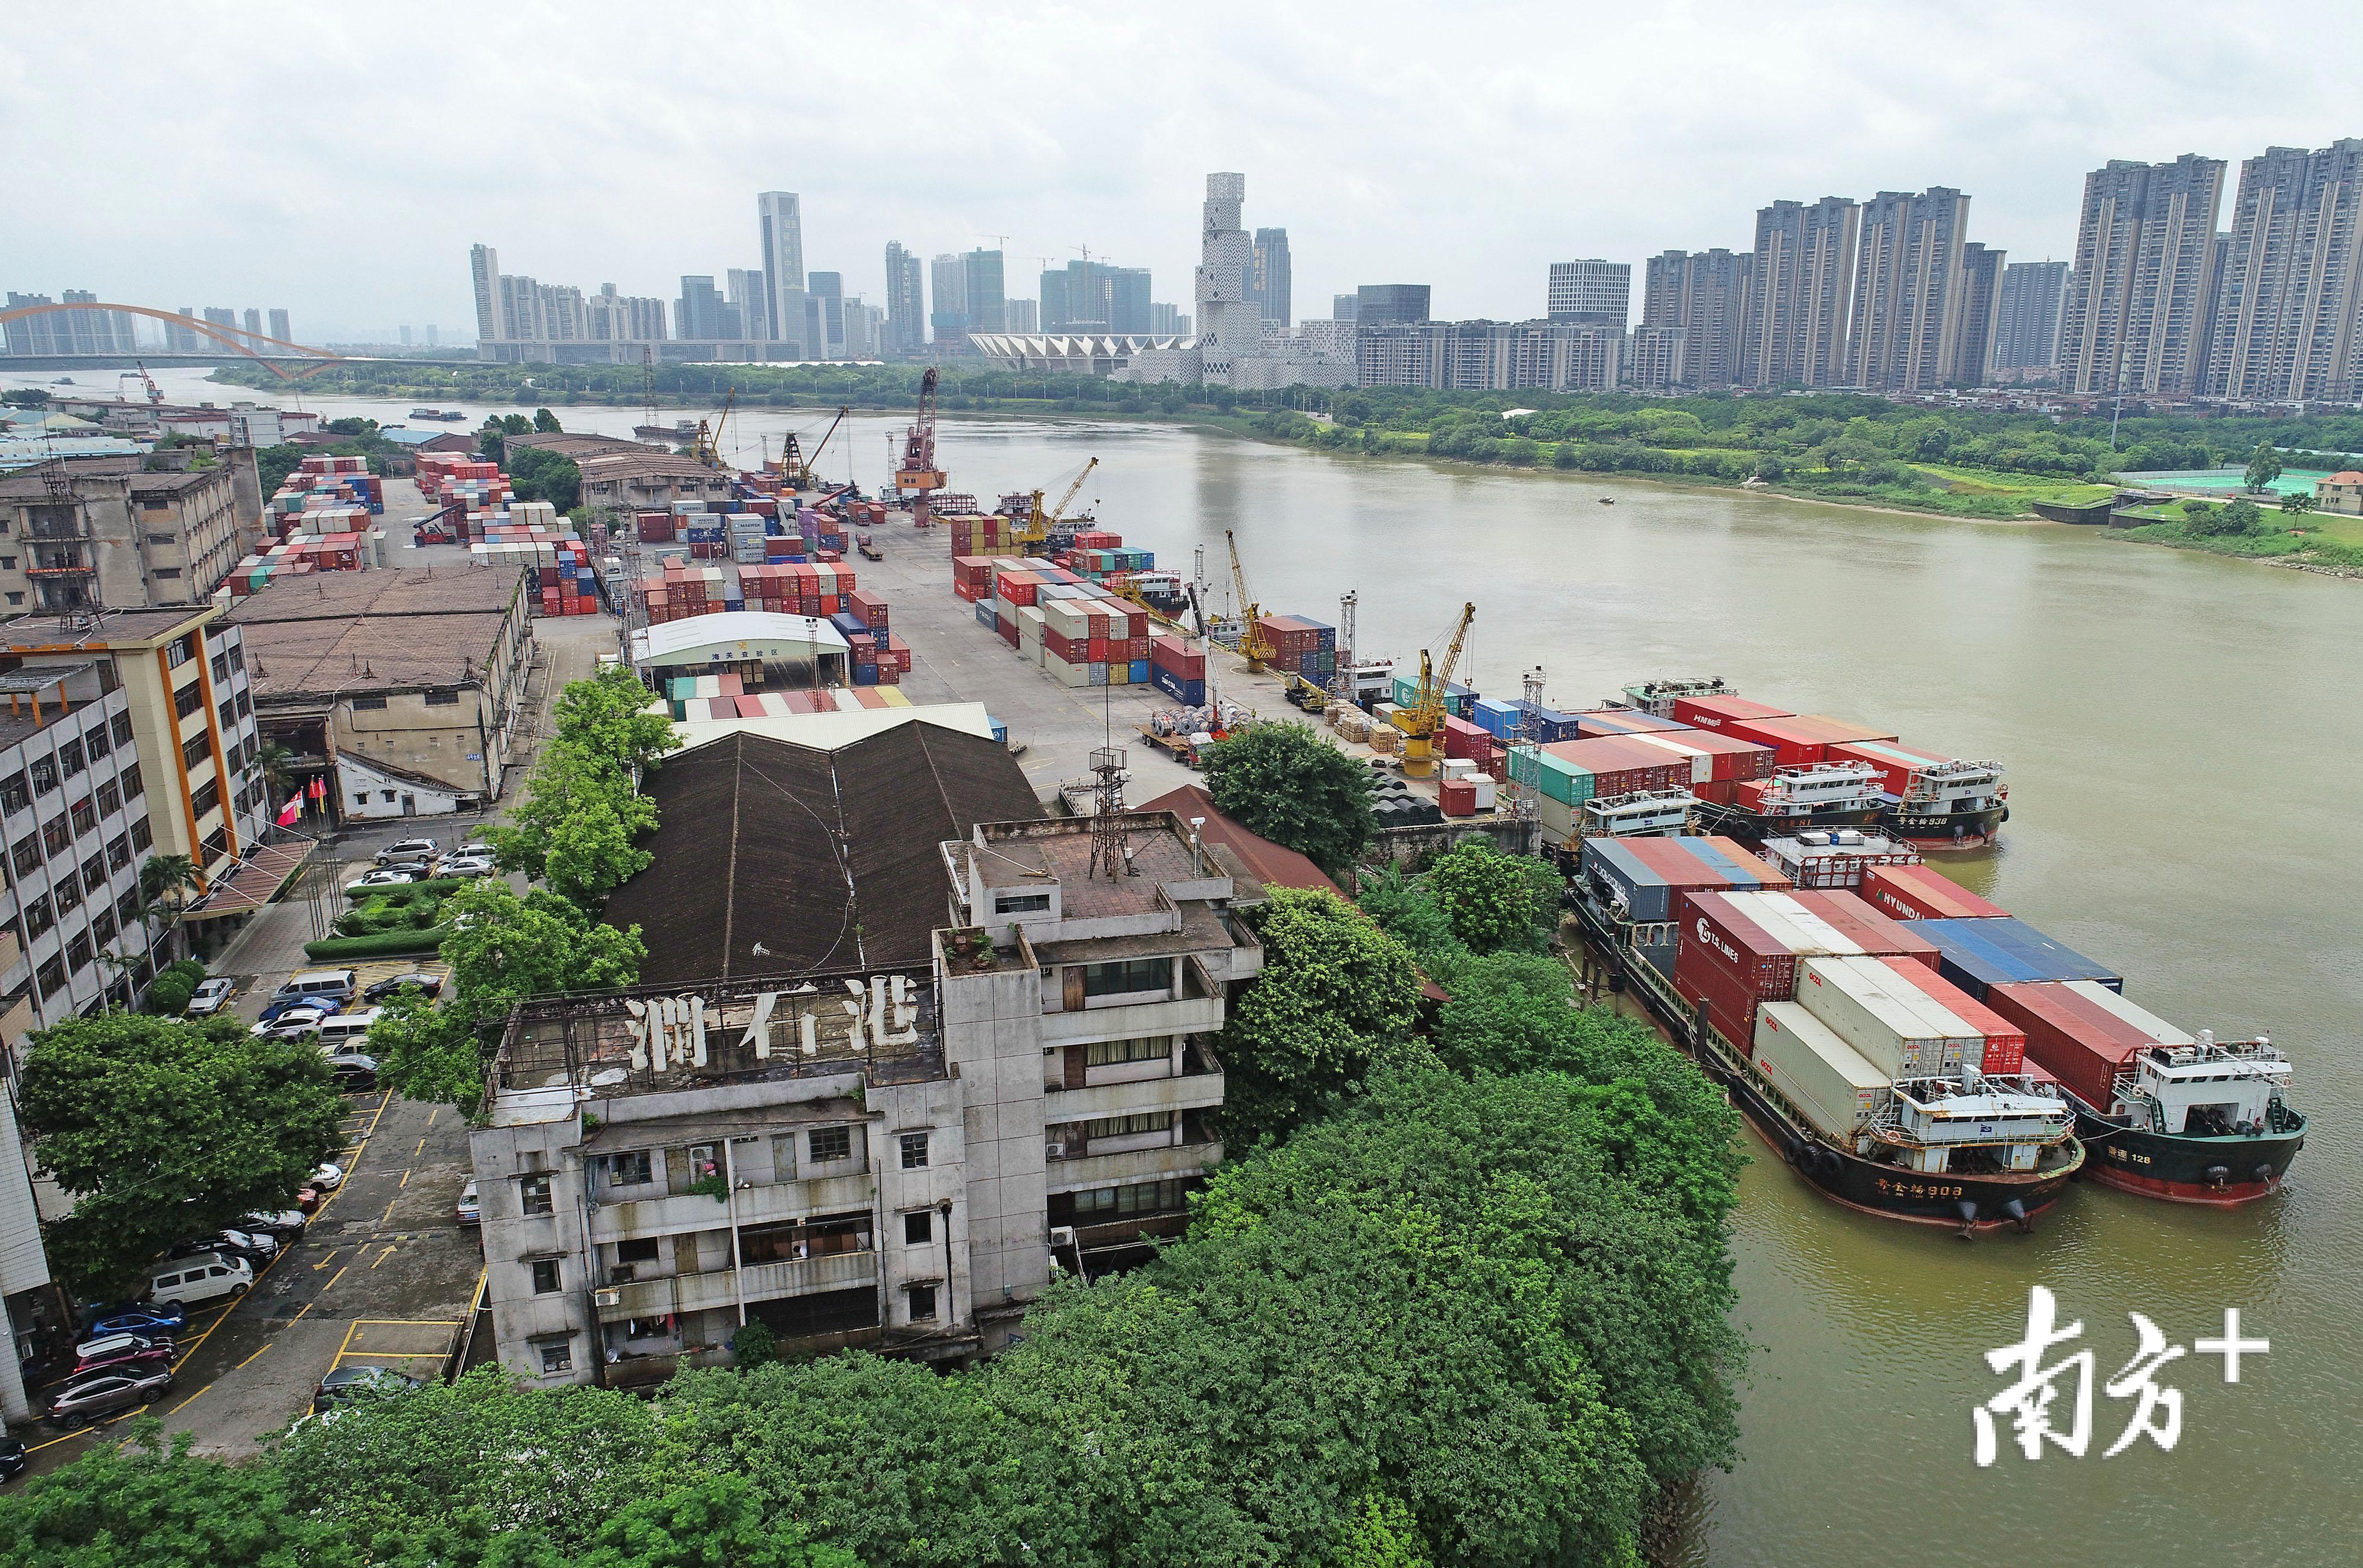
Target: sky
[(339, 161)]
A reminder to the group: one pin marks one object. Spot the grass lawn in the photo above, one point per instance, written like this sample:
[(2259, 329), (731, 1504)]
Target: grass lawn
[(2028, 488)]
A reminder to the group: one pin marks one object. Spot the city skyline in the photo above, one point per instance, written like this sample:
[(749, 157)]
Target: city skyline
[(1392, 198)]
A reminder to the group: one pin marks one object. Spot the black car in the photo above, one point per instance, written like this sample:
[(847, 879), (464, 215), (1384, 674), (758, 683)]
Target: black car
[(12, 1459), (94, 1399), (346, 1382), (217, 1242), (352, 1070), (428, 986)]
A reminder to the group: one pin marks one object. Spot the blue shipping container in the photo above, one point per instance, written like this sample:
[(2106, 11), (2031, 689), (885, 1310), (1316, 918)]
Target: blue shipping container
[(1499, 720), (986, 616), (865, 675), (1191, 693), (1976, 953), (1140, 672)]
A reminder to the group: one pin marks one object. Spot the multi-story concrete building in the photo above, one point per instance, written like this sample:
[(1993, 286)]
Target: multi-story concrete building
[(82, 532), (2144, 257), (1801, 294), (778, 216), (2291, 300), (825, 304), (181, 677), (890, 1153), (1229, 322), (745, 292), (1657, 358), (1969, 357), (29, 1305), (1383, 305), (1590, 294), (1705, 293), (1025, 316), (405, 688), (279, 327), (981, 282), (2026, 331), (67, 332), (1908, 289), (1269, 283), (1479, 356), (906, 307), (947, 319), (1346, 307)]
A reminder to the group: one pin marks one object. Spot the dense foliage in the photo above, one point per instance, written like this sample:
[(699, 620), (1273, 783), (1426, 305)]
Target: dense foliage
[(164, 1129), (172, 989), (542, 475), (1295, 788), (583, 810)]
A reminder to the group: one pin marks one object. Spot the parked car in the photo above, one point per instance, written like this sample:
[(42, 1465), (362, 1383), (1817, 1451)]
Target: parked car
[(352, 1070), (298, 1023), (139, 1317), (318, 985), (383, 877), (428, 986), (285, 1227), (468, 866), (208, 1277), (125, 1361), (345, 1033), (92, 1399), (469, 1213), (279, 1008), (12, 1459), (346, 1382), (100, 1349), (409, 851), (253, 1246), (211, 997)]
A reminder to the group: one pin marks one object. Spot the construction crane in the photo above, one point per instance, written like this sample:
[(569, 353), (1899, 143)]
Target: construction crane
[(706, 447), (799, 470), (1038, 522), (916, 471), (155, 393), (1424, 730), (1252, 647)]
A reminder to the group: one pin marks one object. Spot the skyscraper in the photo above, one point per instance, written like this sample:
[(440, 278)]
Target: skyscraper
[(2026, 331), (980, 278), (745, 291), (1378, 305), (1705, 293), (1590, 294), (484, 271), (181, 339), (779, 215), (1969, 358), (1907, 288), (699, 310), (2144, 259), (1229, 323), (906, 309), (1268, 279), (2292, 293), (254, 321), (1126, 293), (279, 327), (948, 282), (1801, 293), (1345, 307), (1024, 316), (828, 289)]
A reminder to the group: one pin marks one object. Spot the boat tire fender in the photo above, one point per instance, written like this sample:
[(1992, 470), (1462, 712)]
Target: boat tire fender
[(2018, 1215), (2218, 1175), (1967, 1210), (1828, 1162), (2264, 1172)]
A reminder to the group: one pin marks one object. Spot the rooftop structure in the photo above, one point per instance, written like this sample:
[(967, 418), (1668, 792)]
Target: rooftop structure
[(85, 533)]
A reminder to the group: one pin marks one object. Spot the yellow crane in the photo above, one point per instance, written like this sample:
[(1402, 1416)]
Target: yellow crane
[(1035, 527), (705, 449), (1424, 728), (1252, 647)]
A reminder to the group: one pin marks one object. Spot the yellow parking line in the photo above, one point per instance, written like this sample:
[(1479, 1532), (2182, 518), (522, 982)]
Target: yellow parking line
[(332, 1280), (404, 1181), (36, 1447), (300, 1312), (382, 1256), (420, 1150), (431, 1115), (389, 1211), (324, 1261), (402, 1323), (188, 1402), (349, 1329), (266, 1346)]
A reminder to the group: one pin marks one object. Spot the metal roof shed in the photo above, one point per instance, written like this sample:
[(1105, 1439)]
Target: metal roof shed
[(735, 636)]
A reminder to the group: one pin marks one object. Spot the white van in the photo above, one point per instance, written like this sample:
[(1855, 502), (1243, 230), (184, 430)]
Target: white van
[(336, 985), (208, 1276), (347, 1030)]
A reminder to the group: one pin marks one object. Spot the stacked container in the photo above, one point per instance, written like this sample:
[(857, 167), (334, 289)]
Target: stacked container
[(1595, 721), (1801, 740), (1736, 951), (980, 534), (1300, 647), (2082, 1033), (1178, 671), (1644, 881), (1459, 702), (1718, 763), (1922, 892), (1977, 954)]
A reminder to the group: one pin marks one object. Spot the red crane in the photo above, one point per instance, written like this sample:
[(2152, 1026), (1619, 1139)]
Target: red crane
[(917, 471)]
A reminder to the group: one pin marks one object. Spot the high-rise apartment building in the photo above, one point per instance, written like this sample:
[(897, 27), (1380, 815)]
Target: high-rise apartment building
[(1908, 289), (980, 281), (699, 312), (1129, 309), (254, 321), (948, 282), (2026, 330), (906, 309), (780, 217), (1801, 294), (2291, 300), (1345, 307), (1590, 294), (68, 332), (1024, 315), (2144, 256), (825, 291), (279, 327), (181, 339), (1970, 357), (1268, 279), (484, 272), (1705, 293), (1161, 317), (1383, 305)]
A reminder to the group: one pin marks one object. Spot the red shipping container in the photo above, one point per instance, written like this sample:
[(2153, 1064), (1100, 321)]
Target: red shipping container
[(1463, 739), (1098, 653), (1876, 935), (1802, 739), (1729, 758), (1177, 658), (1060, 645), (1728, 962), (1620, 767), (1922, 893), (2005, 1042), (1715, 712), (2073, 1037), (1458, 796)]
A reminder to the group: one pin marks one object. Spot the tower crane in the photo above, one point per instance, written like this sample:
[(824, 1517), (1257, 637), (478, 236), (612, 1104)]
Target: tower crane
[(799, 470), (1036, 528), (706, 447), (1252, 647), (916, 469), (1423, 731)]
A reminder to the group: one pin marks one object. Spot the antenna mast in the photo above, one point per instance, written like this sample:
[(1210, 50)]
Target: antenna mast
[(1109, 852)]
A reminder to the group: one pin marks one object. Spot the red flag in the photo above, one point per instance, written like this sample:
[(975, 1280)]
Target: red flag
[(292, 809), (319, 786)]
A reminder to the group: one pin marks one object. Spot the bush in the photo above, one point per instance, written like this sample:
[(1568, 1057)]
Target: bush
[(432, 885), (377, 944)]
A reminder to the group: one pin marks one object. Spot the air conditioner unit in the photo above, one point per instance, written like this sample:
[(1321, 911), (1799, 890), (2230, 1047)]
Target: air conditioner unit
[(1062, 1236), (607, 1298)]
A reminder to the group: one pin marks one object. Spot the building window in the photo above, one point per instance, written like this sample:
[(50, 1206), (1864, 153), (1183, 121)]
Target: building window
[(85, 815), (56, 836), (206, 796), (545, 1276), (67, 893), (1116, 1052), (168, 571), (557, 1355), (826, 1144), (16, 599), (918, 1227), (1141, 1197), (1021, 903), (1128, 1126), (245, 705), (127, 906), (180, 652), (27, 855), (533, 1195), (188, 700), (70, 757), (923, 1303), (93, 873), (78, 952), (14, 794), (914, 1151), (443, 699), (221, 667), (1127, 977), (388, 795), (121, 725), (640, 1251), (133, 786), (196, 749), (359, 704), (630, 1170), (51, 976), (44, 770), (95, 741), (103, 926), (228, 711), (110, 798)]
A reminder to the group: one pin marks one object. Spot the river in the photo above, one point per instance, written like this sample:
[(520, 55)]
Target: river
[(2185, 743)]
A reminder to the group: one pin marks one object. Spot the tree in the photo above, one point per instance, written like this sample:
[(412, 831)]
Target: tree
[(542, 475), (609, 715), (2297, 503), (502, 949), (164, 1129), (575, 827), (1335, 990), (273, 464), (168, 875), (545, 423), (1294, 787), (2236, 518), (2264, 467), (278, 764), (1495, 900)]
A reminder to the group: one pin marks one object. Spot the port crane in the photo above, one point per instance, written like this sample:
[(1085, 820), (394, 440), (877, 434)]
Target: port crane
[(705, 449), (155, 394), (799, 470), (916, 469), (1421, 736), (1252, 647), (1038, 522)]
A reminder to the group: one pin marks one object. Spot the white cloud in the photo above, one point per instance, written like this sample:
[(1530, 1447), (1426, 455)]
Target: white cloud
[(339, 161)]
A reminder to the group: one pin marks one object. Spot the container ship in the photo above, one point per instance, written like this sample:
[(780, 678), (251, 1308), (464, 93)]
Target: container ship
[(1885, 1086), (1830, 772)]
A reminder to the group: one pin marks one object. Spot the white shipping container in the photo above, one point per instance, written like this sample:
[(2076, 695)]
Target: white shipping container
[(1861, 999), (1965, 1043), (2157, 1028), (1819, 1073), (1805, 931), (1485, 793)]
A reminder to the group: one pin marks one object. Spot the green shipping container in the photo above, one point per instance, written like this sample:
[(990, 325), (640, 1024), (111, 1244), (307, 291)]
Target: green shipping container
[(1554, 777)]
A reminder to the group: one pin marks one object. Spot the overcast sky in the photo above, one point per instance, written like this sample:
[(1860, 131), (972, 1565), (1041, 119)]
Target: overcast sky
[(340, 159)]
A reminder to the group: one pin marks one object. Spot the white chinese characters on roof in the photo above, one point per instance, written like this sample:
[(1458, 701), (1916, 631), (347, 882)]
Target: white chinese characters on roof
[(882, 1013)]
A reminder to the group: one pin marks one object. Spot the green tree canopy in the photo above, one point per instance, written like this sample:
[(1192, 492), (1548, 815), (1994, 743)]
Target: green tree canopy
[(542, 475), (1297, 789), (545, 423), (2264, 466), (610, 715), (164, 1129), (574, 829), (1334, 991), (1495, 900)]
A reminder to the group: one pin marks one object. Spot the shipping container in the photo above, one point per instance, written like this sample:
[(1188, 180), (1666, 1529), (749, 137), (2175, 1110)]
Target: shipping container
[(1729, 962), (1816, 1071), (1458, 796), (2082, 1032), (1802, 739), (1922, 893), (2005, 1042), (1715, 712), (1591, 722), (1714, 757), (1647, 875), (1978, 953), (1866, 1005), (1190, 693), (1898, 764)]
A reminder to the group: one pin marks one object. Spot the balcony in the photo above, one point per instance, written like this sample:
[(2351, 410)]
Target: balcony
[(1197, 1010), (59, 565), (1119, 1091), (768, 1204), (1135, 1165), (719, 1288)]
